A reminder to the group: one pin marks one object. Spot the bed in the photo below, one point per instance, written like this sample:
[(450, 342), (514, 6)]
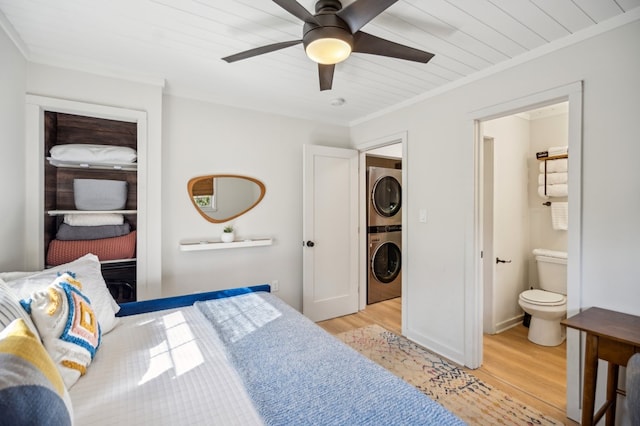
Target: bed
[(236, 357)]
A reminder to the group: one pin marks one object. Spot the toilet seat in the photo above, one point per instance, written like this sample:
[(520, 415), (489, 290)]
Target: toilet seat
[(543, 298)]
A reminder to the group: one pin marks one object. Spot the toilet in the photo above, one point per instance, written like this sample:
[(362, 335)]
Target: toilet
[(548, 304)]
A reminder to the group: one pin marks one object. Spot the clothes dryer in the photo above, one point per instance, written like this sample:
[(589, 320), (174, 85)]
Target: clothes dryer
[(385, 196), (385, 263)]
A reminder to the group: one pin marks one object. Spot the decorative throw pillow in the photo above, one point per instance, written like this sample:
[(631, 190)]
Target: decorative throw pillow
[(67, 324), (31, 388), (10, 309), (87, 271)]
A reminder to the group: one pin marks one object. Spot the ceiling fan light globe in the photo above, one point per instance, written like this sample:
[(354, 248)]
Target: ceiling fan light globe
[(328, 51)]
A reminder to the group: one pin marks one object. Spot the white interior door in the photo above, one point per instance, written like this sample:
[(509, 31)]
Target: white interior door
[(330, 232), (510, 229)]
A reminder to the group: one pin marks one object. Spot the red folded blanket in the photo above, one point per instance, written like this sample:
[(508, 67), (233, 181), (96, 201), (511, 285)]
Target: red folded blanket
[(123, 247)]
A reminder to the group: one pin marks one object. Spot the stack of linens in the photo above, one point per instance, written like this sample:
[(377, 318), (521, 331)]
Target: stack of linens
[(100, 231), (107, 235), (553, 178)]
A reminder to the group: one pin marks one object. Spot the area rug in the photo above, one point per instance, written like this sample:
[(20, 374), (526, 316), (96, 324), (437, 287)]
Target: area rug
[(469, 398)]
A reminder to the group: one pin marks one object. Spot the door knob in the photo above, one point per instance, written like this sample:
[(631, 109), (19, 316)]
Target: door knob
[(498, 260), (310, 244)]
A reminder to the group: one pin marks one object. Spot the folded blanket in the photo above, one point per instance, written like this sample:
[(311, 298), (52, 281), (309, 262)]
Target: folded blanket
[(553, 178), (90, 153), (554, 166), (559, 190), (72, 233), (298, 374), (106, 249), (93, 219)]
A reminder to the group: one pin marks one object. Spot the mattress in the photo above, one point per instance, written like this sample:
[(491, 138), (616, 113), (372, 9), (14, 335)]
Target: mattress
[(162, 368)]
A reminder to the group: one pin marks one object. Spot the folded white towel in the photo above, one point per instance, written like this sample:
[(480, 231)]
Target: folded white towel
[(558, 150), (553, 178), (560, 216), (93, 219), (554, 166), (559, 190)]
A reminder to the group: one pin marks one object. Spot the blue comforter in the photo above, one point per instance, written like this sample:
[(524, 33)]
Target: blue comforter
[(297, 374)]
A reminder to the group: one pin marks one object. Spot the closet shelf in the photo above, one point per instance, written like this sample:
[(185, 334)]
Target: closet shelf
[(217, 245), (61, 212), (128, 167)]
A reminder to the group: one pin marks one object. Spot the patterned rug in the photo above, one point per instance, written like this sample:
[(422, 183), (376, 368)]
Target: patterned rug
[(469, 398)]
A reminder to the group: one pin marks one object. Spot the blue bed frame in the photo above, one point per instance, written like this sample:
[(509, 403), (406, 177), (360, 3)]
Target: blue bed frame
[(133, 308)]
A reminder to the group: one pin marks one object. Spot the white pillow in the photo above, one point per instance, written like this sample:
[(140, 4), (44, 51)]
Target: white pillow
[(67, 324), (91, 153), (87, 271)]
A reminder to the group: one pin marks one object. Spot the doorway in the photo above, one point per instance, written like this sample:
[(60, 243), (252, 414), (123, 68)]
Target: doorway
[(517, 221), (391, 150), (384, 224), (571, 93)]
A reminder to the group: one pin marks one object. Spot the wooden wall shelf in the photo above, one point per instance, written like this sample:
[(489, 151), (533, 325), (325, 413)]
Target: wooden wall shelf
[(555, 157)]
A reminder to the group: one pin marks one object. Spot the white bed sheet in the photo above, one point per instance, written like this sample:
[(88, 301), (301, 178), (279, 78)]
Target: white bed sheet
[(162, 368)]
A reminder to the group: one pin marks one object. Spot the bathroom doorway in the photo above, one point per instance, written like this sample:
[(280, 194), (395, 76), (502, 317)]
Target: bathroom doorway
[(572, 93), (516, 220)]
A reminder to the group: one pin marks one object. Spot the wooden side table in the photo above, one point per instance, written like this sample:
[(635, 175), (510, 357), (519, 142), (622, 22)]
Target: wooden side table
[(613, 337)]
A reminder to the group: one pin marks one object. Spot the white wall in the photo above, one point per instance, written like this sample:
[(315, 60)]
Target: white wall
[(202, 139), (187, 139), (441, 159), (79, 86), (544, 133), (12, 170)]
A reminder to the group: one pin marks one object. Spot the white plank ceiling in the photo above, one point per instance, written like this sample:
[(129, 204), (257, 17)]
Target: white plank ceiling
[(181, 42)]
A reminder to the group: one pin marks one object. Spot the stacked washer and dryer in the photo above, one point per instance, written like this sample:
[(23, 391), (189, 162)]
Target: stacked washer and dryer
[(384, 220)]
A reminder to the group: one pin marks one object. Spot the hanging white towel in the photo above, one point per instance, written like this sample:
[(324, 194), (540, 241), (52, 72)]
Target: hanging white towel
[(559, 190), (553, 178), (560, 216), (554, 166)]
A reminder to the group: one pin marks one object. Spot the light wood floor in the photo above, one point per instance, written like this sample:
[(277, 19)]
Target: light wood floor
[(535, 375)]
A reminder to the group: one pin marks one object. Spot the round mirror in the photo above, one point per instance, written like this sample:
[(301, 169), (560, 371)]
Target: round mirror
[(220, 198)]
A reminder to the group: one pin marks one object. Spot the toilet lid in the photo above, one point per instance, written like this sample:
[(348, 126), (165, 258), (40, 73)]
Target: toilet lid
[(541, 297)]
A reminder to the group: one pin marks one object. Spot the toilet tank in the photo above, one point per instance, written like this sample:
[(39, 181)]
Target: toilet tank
[(552, 270)]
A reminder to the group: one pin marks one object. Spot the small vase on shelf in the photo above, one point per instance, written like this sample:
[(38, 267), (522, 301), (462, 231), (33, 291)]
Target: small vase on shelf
[(227, 234)]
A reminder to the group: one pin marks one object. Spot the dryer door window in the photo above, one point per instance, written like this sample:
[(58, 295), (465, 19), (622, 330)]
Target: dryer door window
[(386, 196), (386, 262)]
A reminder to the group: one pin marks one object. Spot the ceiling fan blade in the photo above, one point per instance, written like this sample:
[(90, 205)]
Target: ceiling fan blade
[(326, 76), (358, 13), (260, 50), (367, 43), (297, 10)]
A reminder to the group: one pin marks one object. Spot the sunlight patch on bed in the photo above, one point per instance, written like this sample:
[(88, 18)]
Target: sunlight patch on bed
[(179, 352), (240, 316)]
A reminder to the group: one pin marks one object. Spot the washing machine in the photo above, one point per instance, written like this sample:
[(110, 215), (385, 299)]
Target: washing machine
[(385, 263), (385, 196)]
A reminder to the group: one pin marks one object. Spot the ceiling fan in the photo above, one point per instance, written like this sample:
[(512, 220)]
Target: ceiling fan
[(333, 33)]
